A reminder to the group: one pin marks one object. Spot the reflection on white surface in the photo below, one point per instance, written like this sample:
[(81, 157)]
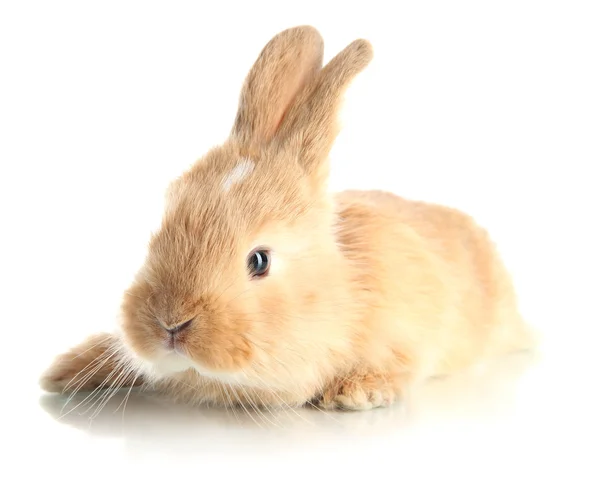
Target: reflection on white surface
[(480, 396), (145, 419), (506, 413)]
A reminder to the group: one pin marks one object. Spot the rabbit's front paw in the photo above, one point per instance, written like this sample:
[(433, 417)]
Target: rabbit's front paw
[(360, 392), (95, 363)]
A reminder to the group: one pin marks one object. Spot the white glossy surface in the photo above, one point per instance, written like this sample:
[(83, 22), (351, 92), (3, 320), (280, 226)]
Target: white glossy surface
[(523, 419), (492, 108)]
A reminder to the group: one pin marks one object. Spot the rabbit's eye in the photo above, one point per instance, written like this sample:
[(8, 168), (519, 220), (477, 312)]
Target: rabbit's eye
[(259, 262)]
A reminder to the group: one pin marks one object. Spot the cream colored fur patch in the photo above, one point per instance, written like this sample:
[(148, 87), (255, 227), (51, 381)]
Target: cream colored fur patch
[(243, 169)]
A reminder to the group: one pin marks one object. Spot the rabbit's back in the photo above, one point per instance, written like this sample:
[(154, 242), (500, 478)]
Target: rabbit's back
[(432, 281)]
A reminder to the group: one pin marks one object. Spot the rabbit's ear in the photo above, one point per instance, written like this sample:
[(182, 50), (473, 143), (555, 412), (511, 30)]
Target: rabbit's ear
[(284, 67), (311, 125)]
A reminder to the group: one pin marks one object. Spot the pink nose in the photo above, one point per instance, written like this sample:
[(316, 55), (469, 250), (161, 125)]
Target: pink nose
[(179, 328)]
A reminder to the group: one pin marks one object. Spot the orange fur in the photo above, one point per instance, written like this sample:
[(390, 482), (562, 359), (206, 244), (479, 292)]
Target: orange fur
[(95, 363), (367, 294)]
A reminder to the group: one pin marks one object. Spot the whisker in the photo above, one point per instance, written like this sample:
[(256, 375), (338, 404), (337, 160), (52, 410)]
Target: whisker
[(257, 395), (230, 402), (287, 405), (223, 291), (124, 402), (104, 396), (238, 295), (276, 359), (104, 355), (236, 396), (233, 405), (248, 412), (118, 385), (108, 337), (103, 359), (95, 391), (254, 407), (223, 394)]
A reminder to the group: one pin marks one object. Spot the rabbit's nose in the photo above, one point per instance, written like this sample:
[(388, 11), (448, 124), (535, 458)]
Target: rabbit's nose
[(179, 328)]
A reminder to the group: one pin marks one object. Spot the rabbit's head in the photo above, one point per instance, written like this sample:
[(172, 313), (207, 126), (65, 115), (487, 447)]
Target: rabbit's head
[(244, 281)]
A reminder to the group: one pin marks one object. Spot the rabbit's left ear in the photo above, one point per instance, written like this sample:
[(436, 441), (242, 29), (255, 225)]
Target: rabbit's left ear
[(287, 64), (311, 126)]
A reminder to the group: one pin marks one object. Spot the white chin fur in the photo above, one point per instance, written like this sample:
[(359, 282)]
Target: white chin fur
[(169, 364), (172, 363), (166, 364)]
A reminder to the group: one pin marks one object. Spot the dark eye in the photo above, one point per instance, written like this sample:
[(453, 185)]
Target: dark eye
[(259, 262)]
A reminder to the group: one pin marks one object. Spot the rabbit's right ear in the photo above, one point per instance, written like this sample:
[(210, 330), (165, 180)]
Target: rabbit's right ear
[(288, 63)]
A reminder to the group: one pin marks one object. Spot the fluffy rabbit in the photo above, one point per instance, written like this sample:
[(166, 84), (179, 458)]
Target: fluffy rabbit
[(263, 289)]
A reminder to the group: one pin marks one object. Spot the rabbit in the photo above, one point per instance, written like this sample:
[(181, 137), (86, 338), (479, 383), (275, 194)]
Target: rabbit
[(262, 289)]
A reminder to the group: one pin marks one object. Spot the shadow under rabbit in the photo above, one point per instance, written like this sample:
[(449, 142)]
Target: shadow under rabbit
[(146, 418)]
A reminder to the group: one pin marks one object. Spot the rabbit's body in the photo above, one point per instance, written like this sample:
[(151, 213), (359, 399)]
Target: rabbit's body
[(438, 289), (263, 289)]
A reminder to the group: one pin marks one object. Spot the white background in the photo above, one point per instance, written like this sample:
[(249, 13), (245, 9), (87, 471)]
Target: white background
[(492, 107)]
